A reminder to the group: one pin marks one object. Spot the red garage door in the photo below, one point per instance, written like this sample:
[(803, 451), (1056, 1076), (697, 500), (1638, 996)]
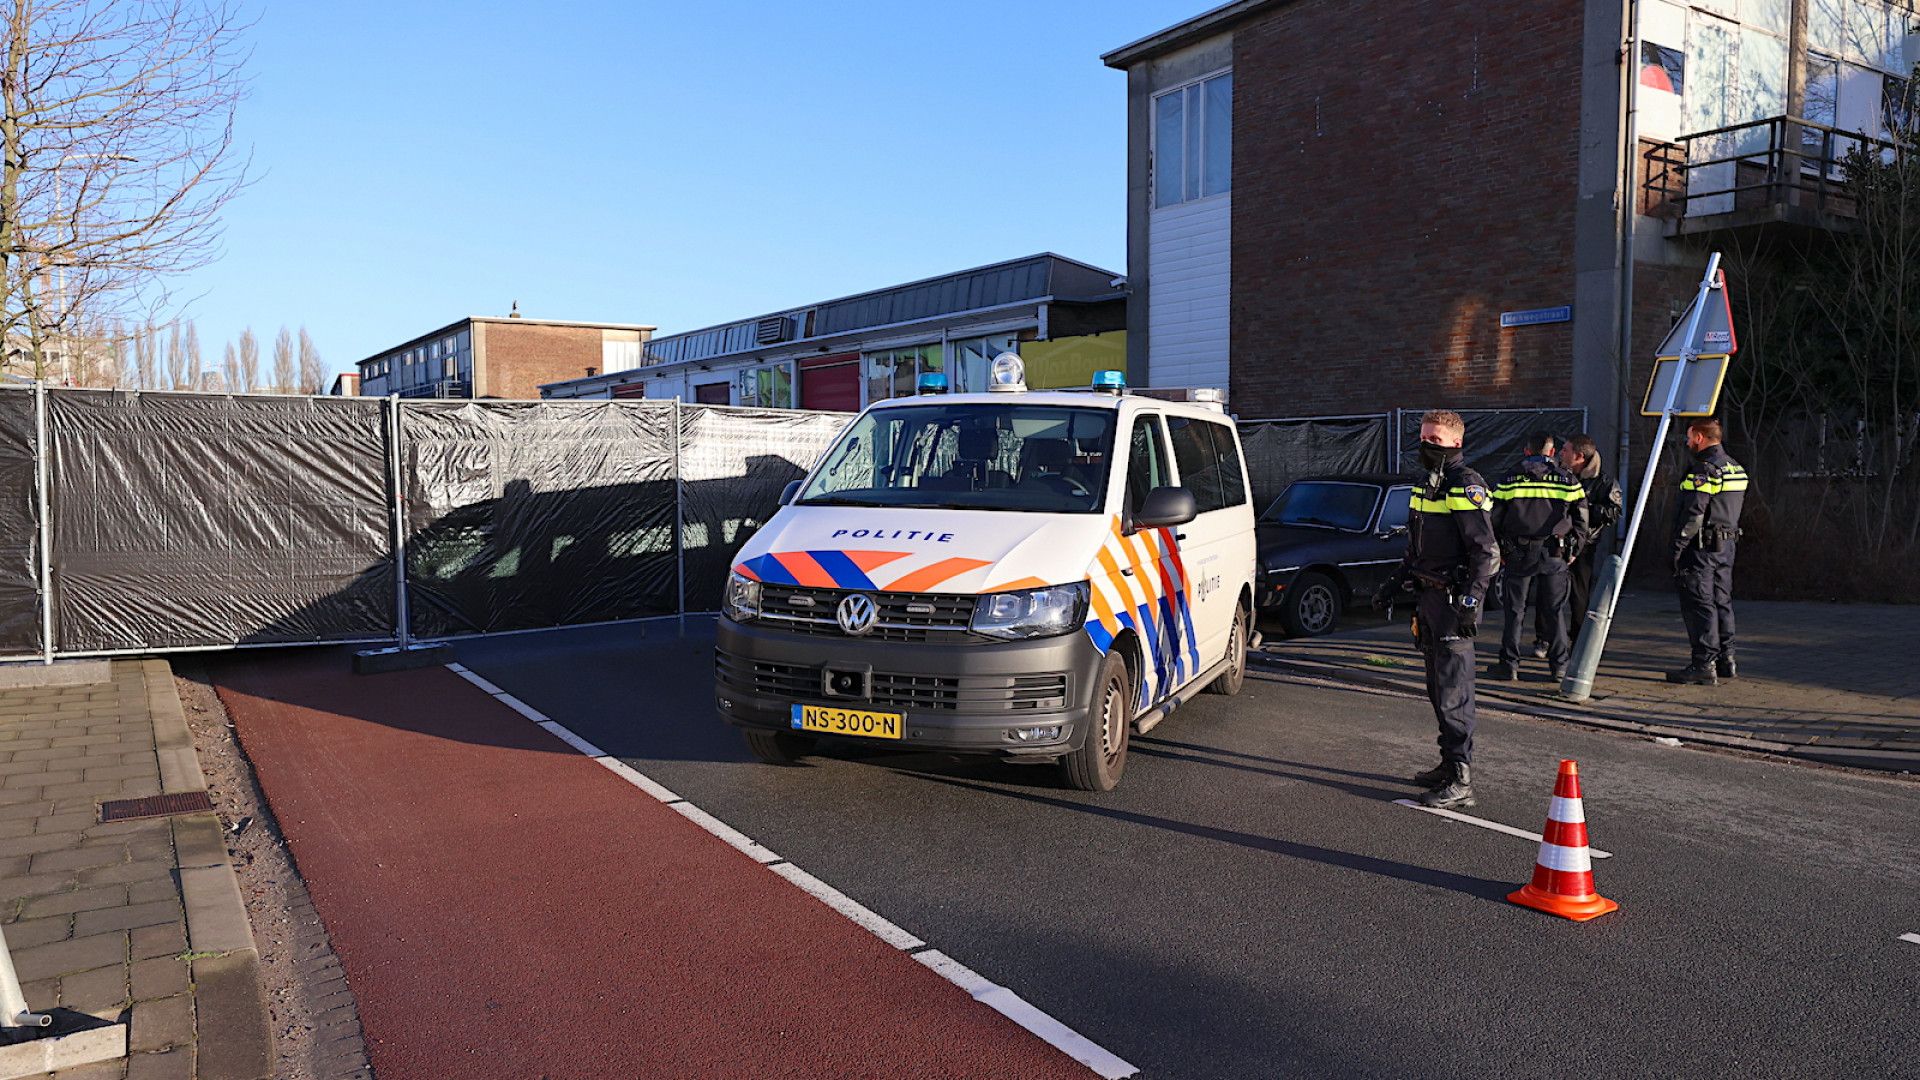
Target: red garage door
[(831, 382)]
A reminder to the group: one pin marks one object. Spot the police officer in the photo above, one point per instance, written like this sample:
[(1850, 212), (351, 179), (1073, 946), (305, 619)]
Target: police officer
[(1581, 458), (1539, 511), (1706, 527), (1451, 557)]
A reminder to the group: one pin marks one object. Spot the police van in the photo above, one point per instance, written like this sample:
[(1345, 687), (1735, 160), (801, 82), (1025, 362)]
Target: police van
[(1032, 575)]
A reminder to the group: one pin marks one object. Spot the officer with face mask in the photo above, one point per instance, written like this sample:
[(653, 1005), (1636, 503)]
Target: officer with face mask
[(1451, 558)]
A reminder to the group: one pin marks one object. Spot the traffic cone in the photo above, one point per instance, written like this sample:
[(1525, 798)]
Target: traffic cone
[(1563, 874)]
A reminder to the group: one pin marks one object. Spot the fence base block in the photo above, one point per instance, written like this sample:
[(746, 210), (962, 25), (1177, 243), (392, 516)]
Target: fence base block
[(376, 661)]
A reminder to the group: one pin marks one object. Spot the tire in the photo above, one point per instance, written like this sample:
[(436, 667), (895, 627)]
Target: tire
[(1313, 605), (1102, 756), (777, 747), (1229, 681)]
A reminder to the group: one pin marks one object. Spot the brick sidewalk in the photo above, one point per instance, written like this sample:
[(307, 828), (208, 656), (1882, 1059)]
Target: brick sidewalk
[(135, 921), (1833, 682)]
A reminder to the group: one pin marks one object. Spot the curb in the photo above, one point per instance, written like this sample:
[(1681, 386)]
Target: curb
[(225, 964), (1883, 761)]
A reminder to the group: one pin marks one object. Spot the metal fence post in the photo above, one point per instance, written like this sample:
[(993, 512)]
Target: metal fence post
[(42, 471), (402, 630), (13, 1003), (679, 523)]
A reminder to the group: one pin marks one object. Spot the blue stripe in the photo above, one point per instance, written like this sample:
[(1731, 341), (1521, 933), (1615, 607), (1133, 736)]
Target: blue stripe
[(1101, 639), (768, 569), (842, 570)]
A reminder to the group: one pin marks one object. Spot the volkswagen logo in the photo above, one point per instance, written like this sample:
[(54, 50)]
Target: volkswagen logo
[(856, 614)]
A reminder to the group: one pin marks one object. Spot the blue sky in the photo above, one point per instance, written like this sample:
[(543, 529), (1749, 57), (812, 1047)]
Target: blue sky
[(663, 163)]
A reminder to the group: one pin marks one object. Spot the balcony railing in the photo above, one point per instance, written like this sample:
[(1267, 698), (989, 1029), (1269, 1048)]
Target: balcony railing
[(1780, 169)]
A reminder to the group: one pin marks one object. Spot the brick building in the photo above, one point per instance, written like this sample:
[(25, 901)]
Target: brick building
[(1332, 203), (508, 358)]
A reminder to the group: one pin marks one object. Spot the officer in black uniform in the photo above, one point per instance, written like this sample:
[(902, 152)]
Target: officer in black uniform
[(1706, 528), (1581, 457), (1451, 557), (1539, 510)]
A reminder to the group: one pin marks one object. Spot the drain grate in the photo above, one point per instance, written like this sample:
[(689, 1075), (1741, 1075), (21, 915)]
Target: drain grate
[(185, 802)]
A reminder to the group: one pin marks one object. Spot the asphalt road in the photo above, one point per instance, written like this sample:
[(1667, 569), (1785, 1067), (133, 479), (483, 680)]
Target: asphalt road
[(1251, 903)]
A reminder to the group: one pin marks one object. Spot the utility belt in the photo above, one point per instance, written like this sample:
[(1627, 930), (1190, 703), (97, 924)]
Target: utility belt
[(1554, 545), (1449, 583), (1716, 537)]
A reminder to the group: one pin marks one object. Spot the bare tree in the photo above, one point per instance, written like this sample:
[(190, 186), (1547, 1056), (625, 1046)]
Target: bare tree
[(312, 374), (191, 347), (176, 358), (146, 357), (230, 368), (249, 350), (116, 155), (283, 362)]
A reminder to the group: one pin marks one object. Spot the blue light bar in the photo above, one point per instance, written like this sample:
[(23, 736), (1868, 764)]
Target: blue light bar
[(932, 382), (1111, 381)]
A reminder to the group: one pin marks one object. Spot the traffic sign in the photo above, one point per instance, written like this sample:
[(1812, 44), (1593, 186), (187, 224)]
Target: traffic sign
[(1713, 336), (1700, 381)]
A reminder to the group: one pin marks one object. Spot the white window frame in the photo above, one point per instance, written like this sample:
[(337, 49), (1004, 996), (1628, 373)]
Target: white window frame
[(1153, 144)]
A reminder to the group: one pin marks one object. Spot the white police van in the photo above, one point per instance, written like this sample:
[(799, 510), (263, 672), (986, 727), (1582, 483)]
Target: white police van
[(1027, 574)]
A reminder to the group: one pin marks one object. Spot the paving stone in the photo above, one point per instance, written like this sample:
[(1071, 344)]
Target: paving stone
[(161, 976), (46, 779), (147, 892), (18, 827), (152, 941), (89, 854), (31, 807), (229, 1001), (75, 823), (118, 772), (99, 1070), (34, 845), (81, 900), (161, 1023), (175, 1064), (75, 954), (126, 918), (94, 991), (128, 872), (27, 933)]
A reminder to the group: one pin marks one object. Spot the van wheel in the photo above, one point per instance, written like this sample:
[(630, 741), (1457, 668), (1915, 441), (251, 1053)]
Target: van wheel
[(1102, 756), (1235, 675), (1313, 605), (777, 747)]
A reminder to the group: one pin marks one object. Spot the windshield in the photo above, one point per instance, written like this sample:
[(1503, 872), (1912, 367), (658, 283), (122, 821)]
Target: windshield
[(1324, 505), (1039, 458)]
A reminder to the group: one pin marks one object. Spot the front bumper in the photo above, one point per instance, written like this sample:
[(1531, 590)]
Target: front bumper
[(962, 697), (1270, 587)]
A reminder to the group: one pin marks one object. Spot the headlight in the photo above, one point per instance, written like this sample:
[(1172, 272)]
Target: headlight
[(1031, 613), (743, 598)]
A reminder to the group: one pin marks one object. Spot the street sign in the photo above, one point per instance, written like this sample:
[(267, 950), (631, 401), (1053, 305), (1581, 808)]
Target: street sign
[(1712, 333), (1536, 316), (1700, 381)]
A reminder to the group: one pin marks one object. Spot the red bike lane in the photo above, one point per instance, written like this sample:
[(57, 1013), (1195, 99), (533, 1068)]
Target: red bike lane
[(505, 906)]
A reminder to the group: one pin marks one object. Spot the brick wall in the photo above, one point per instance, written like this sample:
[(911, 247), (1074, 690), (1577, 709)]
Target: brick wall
[(521, 356), (1402, 174)]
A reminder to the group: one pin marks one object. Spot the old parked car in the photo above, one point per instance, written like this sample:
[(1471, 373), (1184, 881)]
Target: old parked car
[(1326, 542)]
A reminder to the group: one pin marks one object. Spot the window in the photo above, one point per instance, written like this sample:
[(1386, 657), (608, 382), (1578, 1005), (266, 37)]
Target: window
[(1209, 460), (1662, 68), (1193, 141), (769, 386), (893, 373), (973, 358), (1323, 505), (1146, 462), (1394, 514), (1898, 105)]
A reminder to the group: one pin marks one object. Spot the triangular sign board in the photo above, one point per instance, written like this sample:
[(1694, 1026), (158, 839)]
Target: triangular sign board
[(1714, 336)]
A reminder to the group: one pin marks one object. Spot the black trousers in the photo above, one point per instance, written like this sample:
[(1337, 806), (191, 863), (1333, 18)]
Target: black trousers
[(1549, 588), (1449, 657), (1579, 599), (1704, 580)]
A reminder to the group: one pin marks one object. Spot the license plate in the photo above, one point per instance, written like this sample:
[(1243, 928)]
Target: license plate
[(834, 721)]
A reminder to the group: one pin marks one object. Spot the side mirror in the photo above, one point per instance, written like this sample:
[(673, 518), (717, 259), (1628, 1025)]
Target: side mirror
[(790, 492), (1165, 507)]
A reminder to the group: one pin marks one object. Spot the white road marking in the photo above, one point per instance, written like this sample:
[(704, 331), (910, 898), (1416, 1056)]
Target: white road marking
[(992, 995), (1494, 825), (1015, 1008), (1915, 938)]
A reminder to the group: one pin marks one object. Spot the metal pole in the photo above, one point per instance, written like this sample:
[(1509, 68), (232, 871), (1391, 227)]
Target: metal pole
[(1578, 683), (679, 525), (13, 1004), (1629, 214), (41, 474), (402, 634)]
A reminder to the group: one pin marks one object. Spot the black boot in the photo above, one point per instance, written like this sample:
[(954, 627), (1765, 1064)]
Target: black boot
[(1725, 667), (1456, 792), (1435, 776), (1503, 672), (1556, 672), (1696, 674)]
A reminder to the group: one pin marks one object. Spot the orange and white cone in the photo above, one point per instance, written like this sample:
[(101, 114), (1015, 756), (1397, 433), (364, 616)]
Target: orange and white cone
[(1563, 874)]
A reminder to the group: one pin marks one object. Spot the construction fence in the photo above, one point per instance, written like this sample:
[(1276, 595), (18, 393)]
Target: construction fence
[(138, 522)]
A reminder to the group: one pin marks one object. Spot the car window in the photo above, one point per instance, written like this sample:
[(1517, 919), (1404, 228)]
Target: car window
[(1326, 504), (1199, 463), (1394, 514), (1146, 462), (1233, 479)]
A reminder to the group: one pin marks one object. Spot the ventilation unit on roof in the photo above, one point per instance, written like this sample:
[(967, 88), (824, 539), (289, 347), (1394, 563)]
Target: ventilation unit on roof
[(773, 330)]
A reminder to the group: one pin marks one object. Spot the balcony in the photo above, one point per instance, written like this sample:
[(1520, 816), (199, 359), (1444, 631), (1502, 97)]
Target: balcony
[(1780, 173)]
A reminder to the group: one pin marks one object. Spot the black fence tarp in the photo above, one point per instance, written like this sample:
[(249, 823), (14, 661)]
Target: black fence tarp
[(734, 464), (1494, 436), (196, 520), (19, 527), (523, 515), (1279, 452)]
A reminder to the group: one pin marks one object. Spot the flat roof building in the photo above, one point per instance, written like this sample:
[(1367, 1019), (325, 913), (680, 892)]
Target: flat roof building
[(488, 357)]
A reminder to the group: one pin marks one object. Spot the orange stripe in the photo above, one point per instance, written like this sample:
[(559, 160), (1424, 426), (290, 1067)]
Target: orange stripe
[(1023, 583), (1114, 577), (871, 560), (928, 576), (806, 571), (746, 571), (1104, 612)]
